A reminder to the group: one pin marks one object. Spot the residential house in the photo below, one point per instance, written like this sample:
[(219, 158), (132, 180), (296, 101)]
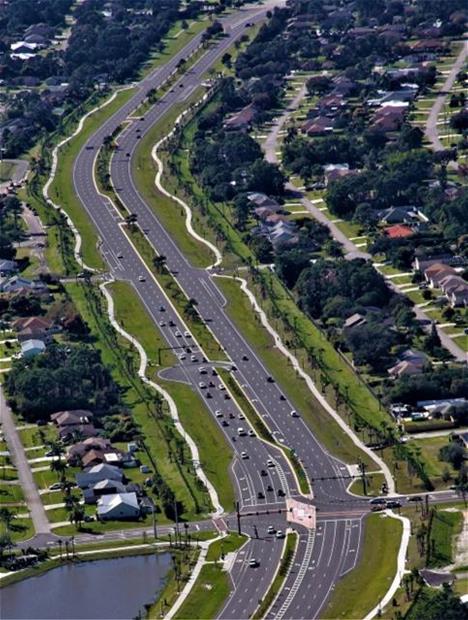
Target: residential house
[(283, 233), (388, 118), (18, 283), (31, 348), (398, 215), (34, 327), (118, 506), (92, 475), (332, 172), (78, 450), (355, 320), (74, 417), (399, 231), (263, 212), (242, 120), (318, 126), (436, 272), (410, 362), (7, 267), (262, 200)]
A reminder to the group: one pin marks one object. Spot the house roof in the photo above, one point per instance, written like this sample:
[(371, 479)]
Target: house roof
[(70, 418), (436, 268), (405, 368), (399, 231), (32, 322), (107, 503), (32, 345), (241, 119), (103, 468), (95, 454), (354, 320), (109, 484)]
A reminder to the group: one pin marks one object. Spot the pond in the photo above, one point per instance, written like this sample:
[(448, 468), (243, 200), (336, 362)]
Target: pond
[(113, 589)]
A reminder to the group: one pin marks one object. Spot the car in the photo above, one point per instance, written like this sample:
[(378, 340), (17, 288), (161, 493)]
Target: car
[(141, 278), (414, 498), (263, 473), (251, 433), (241, 416), (56, 486), (231, 416), (181, 85), (253, 563), (260, 495), (270, 463), (293, 413), (128, 154), (221, 387), (120, 255), (393, 503), (245, 358), (282, 397), (269, 488), (162, 323), (281, 493), (211, 384), (162, 309), (50, 453), (142, 118), (177, 334), (378, 507), (187, 334), (181, 356), (241, 431), (224, 423), (202, 385), (244, 455), (89, 147), (377, 500), (208, 395), (226, 396), (202, 370), (271, 529), (193, 358), (270, 379), (218, 413), (279, 534), (214, 372)]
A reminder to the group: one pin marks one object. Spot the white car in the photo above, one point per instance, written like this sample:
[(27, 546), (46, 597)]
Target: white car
[(181, 356), (218, 413), (120, 255), (187, 334), (162, 323), (221, 387), (141, 278), (241, 416), (279, 534), (270, 463), (202, 385), (271, 529), (293, 413), (193, 358), (251, 433), (202, 370), (177, 334), (253, 563), (244, 455)]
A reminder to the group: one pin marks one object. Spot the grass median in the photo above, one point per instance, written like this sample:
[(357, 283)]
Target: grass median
[(361, 589), (207, 595)]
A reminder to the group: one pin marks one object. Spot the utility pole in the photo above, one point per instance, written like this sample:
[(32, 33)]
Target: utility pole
[(176, 522), (362, 468), (239, 531), (155, 531)]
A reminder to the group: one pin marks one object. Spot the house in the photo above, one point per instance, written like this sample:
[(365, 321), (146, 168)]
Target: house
[(355, 320), (93, 457), (263, 212), (74, 417), (436, 272), (91, 476), (77, 451), (399, 231), (436, 578), (318, 126), (404, 368), (7, 267), (398, 215), (262, 200), (463, 437), (241, 120), (459, 296), (332, 172), (18, 283), (30, 348), (118, 506), (34, 328), (388, 118)]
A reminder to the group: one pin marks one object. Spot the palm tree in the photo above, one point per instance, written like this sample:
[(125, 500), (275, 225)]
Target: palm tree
[(159, 262), (190, 308), (7, 517)]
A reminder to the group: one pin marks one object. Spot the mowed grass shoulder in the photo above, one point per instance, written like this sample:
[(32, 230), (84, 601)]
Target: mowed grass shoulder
[(361, 589)]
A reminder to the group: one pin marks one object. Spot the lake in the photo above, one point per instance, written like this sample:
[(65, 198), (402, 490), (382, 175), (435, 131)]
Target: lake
[(105, 589)]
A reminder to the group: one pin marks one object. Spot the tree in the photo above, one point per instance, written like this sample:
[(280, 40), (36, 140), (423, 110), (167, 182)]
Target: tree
[(159, 262), (453, 453)]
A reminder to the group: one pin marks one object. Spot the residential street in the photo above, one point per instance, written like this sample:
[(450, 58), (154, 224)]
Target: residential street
[(18, 456)]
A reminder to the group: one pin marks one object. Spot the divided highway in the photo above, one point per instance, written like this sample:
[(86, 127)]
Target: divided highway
[(262, 475)]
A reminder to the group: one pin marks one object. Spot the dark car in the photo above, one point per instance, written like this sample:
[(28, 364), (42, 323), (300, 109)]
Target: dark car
[(263, 473), (270, 380), (281, 493), (260, 495), (415, 498), (393, 504)]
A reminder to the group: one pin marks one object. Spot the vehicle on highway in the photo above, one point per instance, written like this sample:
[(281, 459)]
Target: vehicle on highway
[(177, 334), (414, 498), (221, 387), (218, 413), (202, 385), (162, 323), (281, 493), (182, 356), (269, 488), (224, 423), (202, 370), (141, 278), (241, 416), (187, 334), (270, 379), (263, 473), (120, 255), (241, 431), (245, 358), (171, 323), (193, 358), (162, 309), (253, 563), (293, 413), (279, 534), (214, 372), (251, 433), (260, 495), (271, 529), (89, 147), (393, 503), (377, 500), (270, 463), (244, 455)]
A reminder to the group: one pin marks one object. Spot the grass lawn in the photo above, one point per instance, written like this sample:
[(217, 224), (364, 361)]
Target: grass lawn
[(61, 190), (373, 485), (435, 467), (361, 589), (323, 426), (444, 527), (230, 543), (6, 170), (20, 529), (37, 436), (207, 595), (10, 493)]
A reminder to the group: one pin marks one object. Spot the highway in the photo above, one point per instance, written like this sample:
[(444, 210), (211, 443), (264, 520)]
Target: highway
[(264, 475)]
